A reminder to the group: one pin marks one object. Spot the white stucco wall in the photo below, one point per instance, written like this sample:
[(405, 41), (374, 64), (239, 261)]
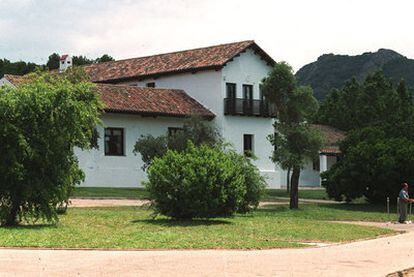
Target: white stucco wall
[(121, 171), (249, 69), (208, 88), (4, 81)]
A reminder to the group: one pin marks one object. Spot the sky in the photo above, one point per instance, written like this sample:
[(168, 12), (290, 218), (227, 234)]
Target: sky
[(295, 31)]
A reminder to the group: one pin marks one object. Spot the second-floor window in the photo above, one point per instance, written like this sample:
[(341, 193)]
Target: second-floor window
[(231, 90), (248, 98)]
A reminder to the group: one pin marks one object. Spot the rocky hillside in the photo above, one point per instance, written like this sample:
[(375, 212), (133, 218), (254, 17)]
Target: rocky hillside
[(332, 71)]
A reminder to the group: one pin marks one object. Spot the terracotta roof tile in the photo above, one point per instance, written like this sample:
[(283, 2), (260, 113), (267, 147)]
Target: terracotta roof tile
[(15, 80), (146, 101), (332, 137), (212, 57), (150, 101)]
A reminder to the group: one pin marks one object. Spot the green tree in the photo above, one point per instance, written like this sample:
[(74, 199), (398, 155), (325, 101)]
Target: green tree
[(295, 142), (375, 102), (81, 60), (53, 61), (378, 150), (42, 121), (104, 58)]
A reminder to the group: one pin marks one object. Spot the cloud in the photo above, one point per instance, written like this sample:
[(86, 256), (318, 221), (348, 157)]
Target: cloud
[(297, 31)]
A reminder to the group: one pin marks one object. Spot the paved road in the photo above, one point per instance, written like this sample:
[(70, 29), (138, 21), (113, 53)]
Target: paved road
[(366, 258)]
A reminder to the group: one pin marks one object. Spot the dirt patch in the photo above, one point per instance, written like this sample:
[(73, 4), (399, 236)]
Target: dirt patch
[(106, 202)]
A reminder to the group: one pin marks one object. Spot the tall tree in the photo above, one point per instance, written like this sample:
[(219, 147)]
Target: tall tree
[(53, 61), (378, 150), (295, 142), (42, 122)]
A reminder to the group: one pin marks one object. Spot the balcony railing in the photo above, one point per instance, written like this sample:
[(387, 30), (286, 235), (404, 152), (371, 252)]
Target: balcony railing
[(249, 107)]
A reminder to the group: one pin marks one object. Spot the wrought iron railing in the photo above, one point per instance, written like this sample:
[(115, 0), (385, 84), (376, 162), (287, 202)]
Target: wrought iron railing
[(249, 107)]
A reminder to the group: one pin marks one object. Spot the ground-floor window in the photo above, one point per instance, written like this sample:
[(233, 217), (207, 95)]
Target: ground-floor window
[(114, 142), (248, 144), (173, 130)]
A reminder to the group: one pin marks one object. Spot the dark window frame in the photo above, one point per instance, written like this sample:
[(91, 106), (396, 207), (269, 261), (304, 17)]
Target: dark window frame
[(106, 146), (316, 165), (248, 98), (248, 144), (231, 93), (174, 130), (150, 85)]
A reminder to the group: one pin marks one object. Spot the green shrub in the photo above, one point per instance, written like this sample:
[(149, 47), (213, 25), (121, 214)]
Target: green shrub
[(195, 130), (203, 182)]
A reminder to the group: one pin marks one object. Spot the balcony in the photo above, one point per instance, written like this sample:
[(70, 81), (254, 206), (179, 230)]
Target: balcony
[(248, 107)]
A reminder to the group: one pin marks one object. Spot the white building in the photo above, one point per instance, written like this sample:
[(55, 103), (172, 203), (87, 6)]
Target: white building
[(151, 94)]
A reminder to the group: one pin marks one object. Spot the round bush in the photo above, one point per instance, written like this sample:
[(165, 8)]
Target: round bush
[(203, 182)]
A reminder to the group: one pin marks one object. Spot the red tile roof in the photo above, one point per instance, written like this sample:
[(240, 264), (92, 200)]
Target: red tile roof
[(213, 57), (145, 101), (150, 101), (15, 80), (332, 137)]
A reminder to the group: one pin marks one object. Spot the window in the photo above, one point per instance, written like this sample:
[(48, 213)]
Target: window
[(173, 130), (114, 141), (316, 165), (231, 90), (248, 144), (248, 92), (248, 98), (151, 85)]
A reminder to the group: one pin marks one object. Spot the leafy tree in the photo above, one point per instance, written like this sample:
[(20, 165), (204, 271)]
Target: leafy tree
[(295, 142), (104, 58), (373, 166), (81, 60), (41, 123), (53, 61), (16, 68), (370, 103), (378, 150), (195, 129)]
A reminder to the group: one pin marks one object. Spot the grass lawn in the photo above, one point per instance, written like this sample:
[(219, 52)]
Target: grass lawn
[(131, 227), (96, 192), (273, 194), (141, 193)]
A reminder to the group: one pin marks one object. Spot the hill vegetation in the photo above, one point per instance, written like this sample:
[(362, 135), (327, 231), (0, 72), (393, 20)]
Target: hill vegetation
[(333, 71)]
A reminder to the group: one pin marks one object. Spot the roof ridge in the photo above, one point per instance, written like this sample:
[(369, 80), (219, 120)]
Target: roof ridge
[(136, 87), (174, 52)]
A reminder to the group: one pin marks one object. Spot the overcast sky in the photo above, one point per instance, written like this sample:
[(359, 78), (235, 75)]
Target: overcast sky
[(296, 31)]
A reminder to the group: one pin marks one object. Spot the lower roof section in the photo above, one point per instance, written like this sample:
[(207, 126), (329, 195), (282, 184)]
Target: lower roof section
[(151, 101)]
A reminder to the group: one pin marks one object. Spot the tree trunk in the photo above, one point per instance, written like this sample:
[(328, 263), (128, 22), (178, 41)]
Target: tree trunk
[(288, 181), (11, 219), (294, 188)]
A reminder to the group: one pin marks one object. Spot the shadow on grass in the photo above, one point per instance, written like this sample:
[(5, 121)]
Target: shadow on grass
[(183, 223), (29, 227), (357, 207)]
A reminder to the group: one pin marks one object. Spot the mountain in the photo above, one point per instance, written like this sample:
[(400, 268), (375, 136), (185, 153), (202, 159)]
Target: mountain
[(332, 71)]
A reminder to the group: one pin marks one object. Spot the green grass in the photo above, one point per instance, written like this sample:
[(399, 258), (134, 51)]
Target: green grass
[(96, 192), (131, 227), (141, 193), (273, 194)]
